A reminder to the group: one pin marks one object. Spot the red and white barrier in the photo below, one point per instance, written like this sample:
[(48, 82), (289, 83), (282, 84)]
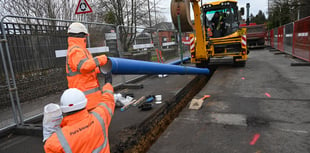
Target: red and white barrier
[(301, 39), (293, 38), (243, 41), (192, 43)]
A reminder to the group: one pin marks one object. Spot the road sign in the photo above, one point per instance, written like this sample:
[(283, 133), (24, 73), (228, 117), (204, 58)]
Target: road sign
[(83, 7)]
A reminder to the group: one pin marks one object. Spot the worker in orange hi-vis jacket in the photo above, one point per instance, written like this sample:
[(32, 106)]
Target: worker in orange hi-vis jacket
[(82, 68), (82, 130)]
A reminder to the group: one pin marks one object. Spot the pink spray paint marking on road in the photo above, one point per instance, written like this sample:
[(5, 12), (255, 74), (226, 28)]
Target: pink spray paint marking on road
[(267, 94), (255, 138), (242, 78)]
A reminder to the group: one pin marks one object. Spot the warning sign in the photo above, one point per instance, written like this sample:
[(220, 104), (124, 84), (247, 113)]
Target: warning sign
[(83, 7)]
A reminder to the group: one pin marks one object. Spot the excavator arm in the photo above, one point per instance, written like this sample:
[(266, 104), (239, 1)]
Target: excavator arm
[(181, 8)]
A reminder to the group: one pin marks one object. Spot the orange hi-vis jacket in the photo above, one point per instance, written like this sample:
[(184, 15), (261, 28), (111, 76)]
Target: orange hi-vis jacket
[(83, 131), (82, 70)]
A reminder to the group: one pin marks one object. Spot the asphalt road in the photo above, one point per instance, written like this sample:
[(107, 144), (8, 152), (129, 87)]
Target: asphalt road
[(261, 108)]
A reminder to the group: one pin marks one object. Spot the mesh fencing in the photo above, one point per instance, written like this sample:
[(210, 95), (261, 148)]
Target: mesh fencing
[(292, 38), (288, 38), (36, 49), (38, 76), (301, 40)]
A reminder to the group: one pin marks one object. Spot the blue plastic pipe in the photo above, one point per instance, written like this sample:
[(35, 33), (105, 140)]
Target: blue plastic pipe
[(128, 66), (178, 62)]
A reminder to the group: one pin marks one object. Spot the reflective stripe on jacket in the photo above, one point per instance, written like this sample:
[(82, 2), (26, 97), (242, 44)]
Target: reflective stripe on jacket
[(82, 71), (83, 131)]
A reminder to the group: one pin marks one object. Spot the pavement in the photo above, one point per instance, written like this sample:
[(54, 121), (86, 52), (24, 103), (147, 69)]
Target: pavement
[(126, 127), (34, 108), (263, 107)]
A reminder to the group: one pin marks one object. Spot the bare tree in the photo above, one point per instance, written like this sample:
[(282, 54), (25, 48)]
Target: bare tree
[(286, 11), (129, 13), (60, 9)]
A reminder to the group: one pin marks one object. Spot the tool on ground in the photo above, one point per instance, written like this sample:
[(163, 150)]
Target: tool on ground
[(139, 101), (150, 98), (146, 106), (197, 103), (125, 107)]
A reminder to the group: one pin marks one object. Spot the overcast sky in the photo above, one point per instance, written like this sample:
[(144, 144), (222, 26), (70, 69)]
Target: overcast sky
[(255, 6)]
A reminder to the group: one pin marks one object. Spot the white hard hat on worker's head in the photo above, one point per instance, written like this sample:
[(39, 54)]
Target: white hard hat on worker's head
[(72, 100), (77, 28)]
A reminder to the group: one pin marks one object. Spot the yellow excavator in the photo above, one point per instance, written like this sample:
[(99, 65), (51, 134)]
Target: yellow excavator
[(216, 29)]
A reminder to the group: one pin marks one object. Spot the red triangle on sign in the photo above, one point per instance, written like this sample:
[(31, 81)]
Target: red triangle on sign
[(83, 7)]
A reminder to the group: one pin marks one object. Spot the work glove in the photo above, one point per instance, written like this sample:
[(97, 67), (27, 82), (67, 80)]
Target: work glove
[(108, 77), (102, 59)]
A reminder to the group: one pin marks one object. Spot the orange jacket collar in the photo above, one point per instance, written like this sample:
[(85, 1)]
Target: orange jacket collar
[(73, 41), (74, 118)]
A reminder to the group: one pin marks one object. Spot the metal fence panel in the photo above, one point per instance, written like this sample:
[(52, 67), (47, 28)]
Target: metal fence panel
[(9, 117), (168, 41), (302, 39), (288, 38), (272, 38), (39, 75), (275, 38), (267, 38), (147, 44), (280, 38)]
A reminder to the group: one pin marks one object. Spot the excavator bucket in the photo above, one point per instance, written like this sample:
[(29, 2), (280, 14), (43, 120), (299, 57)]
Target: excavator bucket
[(181, 7)]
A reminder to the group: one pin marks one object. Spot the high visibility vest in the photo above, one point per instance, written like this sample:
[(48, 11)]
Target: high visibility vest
[(89, 135), (68, 149), (82, 70), (219, 23), (84, 131)]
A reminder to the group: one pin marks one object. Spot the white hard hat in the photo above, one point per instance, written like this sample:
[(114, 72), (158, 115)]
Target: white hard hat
[(77, 27), (72, 99)]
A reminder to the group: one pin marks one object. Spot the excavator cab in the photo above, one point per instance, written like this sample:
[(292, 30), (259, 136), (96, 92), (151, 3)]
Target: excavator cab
[(221, 18), (216, 29)]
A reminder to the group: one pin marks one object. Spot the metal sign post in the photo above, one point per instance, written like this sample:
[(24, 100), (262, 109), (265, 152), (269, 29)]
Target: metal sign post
[(180, 35)]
